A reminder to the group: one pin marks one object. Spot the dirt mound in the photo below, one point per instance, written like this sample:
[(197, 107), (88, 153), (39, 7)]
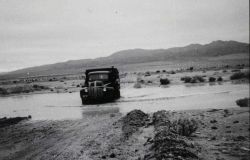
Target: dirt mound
[(184, 126), (166, 142), (169, 145), (161, 119), (132, 121), (10, 121)]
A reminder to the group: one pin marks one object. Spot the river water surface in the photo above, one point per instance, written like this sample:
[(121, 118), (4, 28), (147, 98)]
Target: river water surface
[(57, 106)]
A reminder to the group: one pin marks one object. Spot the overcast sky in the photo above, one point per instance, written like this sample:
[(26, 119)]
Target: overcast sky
[(36, 32)]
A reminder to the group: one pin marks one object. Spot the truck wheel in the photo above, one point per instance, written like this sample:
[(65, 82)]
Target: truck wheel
[(83, 101), (117, 94)]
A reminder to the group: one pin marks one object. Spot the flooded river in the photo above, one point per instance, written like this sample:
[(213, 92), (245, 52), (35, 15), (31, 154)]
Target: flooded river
[(56, 106)]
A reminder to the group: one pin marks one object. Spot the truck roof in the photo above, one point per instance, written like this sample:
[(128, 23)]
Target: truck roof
[(111, 69), (95, 72)]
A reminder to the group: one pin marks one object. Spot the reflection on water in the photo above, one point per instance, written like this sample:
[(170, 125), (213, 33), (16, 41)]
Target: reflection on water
[(99, 110), (177, 97)]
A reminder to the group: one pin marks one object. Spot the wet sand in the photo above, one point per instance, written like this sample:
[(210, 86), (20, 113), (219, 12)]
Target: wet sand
[(222, 134)]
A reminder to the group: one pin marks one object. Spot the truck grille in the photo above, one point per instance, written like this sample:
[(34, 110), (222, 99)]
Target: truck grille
[(95, 90)]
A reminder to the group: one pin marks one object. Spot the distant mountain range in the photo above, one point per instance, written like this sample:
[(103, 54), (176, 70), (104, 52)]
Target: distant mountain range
[(132, 56)]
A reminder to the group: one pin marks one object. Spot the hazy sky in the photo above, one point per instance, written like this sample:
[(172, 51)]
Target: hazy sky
[(36, 32)]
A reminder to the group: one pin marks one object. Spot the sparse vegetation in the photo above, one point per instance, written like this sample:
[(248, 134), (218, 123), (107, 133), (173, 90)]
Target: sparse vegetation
[(3, 91), (194, 79), (167, 143), (22, 89), (245, 102), (141, 81), (199, 78), (39, 87), (211, 79), (240, 75), (219, 79), (147, 74), (164, 81), (184, 126), (172, 72), (150, 82), (186, 79), (235, 70)]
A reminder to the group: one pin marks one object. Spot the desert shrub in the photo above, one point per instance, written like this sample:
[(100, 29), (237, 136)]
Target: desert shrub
[(39, 87), (158, 71), (21, 89), (163, 71), (184, 126), (240, 66), (186, 79), (240, 75), (191, 68), (3, 91), (245, 102), (141, 81), (17, 89), (235, 70), (183, 78), (164, 81), (172, 72), (137, 85), (199, 78), (211, 79), (219, 79), (35, 86), (194, 79), (147, 73)]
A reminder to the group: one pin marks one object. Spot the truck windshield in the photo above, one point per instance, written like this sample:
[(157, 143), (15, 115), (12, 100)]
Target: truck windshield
[(98, 76)]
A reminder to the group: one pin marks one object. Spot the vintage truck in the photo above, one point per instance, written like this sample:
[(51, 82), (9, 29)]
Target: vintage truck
[(101, 85)]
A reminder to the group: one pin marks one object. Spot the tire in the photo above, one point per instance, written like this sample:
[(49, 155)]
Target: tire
[(117, 94), (84, 100)]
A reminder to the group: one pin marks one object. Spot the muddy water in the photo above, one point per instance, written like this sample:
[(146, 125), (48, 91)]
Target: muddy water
[(55, 106)]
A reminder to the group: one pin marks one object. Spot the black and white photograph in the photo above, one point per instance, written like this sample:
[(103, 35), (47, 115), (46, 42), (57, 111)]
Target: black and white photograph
[(124, 80)]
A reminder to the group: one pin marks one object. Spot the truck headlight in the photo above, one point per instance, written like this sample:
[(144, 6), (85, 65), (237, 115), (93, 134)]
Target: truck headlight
[(85, 89), (104, 89)]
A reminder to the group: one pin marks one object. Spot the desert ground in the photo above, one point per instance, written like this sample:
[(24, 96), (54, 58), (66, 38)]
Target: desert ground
[(105, 132)]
